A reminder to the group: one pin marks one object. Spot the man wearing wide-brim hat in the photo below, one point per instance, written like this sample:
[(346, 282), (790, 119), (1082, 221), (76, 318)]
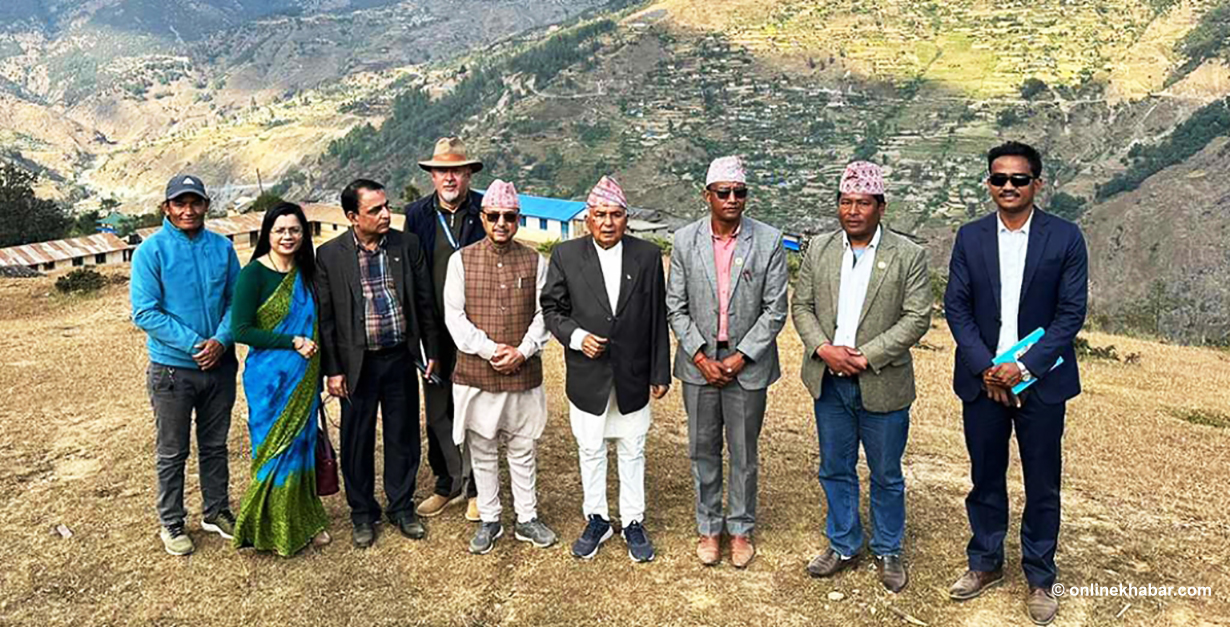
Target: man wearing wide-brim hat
[(445, 221)]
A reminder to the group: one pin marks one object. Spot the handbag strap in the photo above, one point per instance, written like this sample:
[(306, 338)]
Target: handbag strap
[(323, 423)]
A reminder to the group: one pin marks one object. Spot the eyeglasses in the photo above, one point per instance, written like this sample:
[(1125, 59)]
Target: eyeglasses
[(999, 179), (494, 216), (293, 231), (739, 192)]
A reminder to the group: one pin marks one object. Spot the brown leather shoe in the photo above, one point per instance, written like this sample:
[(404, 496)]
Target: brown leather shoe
[(830, 563), (892, 572), (435, 504), (974, 582), (709, 550), (1041, 606), (741, 551)]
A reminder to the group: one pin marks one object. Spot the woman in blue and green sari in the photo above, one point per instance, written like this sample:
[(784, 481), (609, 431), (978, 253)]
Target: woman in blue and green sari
[(274, 312)]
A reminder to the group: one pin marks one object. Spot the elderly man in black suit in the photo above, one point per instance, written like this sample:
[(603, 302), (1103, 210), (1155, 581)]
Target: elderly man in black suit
[(605, 300), (376, 307)]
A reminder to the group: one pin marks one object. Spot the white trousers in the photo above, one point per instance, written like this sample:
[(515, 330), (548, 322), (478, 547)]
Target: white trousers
[(630, 452), (522, 472)]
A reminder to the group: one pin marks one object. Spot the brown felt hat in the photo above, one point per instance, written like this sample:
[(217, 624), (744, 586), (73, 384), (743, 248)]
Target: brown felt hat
[(450, 152)]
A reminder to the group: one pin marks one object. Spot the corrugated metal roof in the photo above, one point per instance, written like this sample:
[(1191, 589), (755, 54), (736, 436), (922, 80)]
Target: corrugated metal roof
[(61, 250), (251, 222), (550, 208)]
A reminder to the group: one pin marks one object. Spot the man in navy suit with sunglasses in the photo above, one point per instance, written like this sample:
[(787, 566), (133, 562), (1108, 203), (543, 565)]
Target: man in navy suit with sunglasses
[(1014, 271)]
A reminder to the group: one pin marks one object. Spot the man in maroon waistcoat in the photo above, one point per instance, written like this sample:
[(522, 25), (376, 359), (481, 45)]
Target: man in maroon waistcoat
[(491, 308)]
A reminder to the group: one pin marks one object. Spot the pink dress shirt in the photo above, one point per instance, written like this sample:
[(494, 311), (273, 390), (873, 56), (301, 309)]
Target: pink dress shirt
[(723, 256)]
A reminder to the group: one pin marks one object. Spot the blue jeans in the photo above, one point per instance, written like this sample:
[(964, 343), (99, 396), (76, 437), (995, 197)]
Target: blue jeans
[(841, 423)]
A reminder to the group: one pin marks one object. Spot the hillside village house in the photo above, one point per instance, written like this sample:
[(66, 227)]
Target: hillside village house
[(542, 220), (546, 219), (94, 250), (549, 219)]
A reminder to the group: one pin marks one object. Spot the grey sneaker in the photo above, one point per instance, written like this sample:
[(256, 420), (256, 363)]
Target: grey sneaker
[(485, 537), (175, 541), (222, 523), (536, 532)]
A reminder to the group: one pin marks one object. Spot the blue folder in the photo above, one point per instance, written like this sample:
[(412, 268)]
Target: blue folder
[(1013, 355)]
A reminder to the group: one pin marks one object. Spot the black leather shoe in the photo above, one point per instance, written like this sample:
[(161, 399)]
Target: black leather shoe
[(364, 535), (408, 524), (892, 572)]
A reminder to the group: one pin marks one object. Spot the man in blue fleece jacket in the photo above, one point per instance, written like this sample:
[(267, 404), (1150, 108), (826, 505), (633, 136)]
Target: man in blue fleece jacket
[(183, 278)]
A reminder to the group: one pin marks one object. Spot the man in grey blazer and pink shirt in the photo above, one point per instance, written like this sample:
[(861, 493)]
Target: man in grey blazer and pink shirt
[(726, 302), (863, 298)]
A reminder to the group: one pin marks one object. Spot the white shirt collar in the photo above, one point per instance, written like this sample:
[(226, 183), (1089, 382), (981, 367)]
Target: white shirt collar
[(875, 239), (616, 249), (1024, 230)]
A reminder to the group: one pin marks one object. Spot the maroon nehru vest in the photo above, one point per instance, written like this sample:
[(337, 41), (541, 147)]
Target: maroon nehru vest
[(501, 297)]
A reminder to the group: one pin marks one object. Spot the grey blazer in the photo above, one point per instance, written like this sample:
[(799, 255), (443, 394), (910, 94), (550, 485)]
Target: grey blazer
[(896, 314), (758, 301)]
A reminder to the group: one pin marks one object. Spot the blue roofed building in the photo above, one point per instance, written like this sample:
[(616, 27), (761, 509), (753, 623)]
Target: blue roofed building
[(546, 219)]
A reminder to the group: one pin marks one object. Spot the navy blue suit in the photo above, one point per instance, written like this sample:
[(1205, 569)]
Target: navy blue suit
[(1054, 296)]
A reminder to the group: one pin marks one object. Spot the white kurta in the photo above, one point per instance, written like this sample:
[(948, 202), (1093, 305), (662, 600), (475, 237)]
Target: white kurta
[(490, 413), (590, 430)]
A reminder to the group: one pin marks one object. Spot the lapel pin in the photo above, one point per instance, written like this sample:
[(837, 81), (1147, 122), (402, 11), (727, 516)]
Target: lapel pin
[(881, 265), (738, 261), (629, 277)]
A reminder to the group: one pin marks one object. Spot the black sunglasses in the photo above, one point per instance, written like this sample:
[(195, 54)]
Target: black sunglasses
[(739, 192), (999, 179), (494, 216)]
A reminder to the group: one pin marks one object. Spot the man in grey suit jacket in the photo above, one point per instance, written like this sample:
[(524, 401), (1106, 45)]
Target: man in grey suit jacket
[(863, 298), (726, 302)]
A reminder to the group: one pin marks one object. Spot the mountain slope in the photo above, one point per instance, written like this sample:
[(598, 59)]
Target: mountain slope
[(672, 88), (124, 93), (1158, 255)]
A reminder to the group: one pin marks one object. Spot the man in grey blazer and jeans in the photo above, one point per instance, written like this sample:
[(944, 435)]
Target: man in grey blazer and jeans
[(726, 302), (863, 298)]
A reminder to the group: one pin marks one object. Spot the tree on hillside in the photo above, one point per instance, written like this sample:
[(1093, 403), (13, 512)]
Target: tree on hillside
[(1032, 87), (410, 193), (145, 221), (1187, 139), (263, 203), (24, 217), (1067, 206), (86, 223), (1210, 39)]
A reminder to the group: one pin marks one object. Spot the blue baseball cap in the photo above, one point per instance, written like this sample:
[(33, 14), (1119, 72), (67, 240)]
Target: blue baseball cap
[(186, 184)]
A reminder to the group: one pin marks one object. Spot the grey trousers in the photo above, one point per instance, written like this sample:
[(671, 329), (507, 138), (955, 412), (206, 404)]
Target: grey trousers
[(175, 393), (738, 414)]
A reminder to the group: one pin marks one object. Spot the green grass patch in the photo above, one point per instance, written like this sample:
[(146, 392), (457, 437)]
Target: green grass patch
[(1203, 417)]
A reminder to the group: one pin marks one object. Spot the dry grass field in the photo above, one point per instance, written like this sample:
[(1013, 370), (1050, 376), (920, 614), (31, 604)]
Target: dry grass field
[(1145, 502)]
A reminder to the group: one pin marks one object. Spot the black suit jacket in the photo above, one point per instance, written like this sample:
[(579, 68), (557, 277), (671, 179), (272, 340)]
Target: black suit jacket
[(421, 220), (343, 336), (639, 351), (1054, 296)]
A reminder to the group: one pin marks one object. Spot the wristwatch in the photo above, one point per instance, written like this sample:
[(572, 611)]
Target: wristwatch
[(1025, 374)]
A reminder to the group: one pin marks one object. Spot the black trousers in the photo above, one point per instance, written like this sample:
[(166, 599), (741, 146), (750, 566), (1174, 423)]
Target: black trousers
[(388, 381), (1039, 434), (444, 457)]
